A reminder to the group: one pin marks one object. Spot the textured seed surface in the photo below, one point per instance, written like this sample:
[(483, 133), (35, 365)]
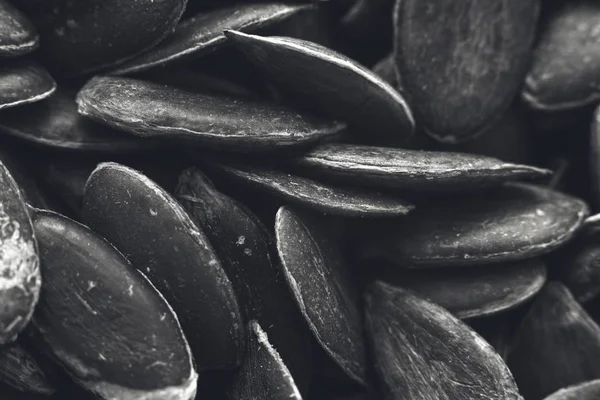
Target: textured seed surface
[(21, 370), (158, 237), (412, 169), (263, 374), (20, 278), (557, 345), (323, 287), (204, 33), (462, 63), (580, 266), (147, 109), (78, 38), (422, 352), (247, 252), (17, 34), (564, 72), (584, 391), (55, 122), (318, 196), (23, 82), (515, 222), (104, 321), (475, 291), (329, 82)]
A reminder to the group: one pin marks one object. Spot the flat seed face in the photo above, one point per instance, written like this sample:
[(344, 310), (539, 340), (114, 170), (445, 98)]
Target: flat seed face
[(476, 291), (158, 237), (204, 33), (422, 352), (17, 34), (69, 35), (566, 59), (246, 250), (323, 288), (23, 82), (263, 374), (329, 82), (515, 222), (103, 321), (584, 391), (318, 196), (20, 278), (462, 63), (55, 122), (412, 169), (20, 369), (146, 109), (557, 345)]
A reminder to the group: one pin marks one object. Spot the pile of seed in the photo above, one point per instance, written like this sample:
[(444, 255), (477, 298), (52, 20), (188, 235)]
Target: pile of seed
[(319, 200)]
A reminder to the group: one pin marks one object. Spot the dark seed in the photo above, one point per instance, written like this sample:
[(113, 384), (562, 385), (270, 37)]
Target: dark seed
[(557, 345), (104, 321), (515, 222), (386, 69), (369, 20), (594, 159), (17, 34), (323, 288), (422, 352), (412, 169), (80, 38), (23, 82), (146, 109), (330, 82), (462, 63), (565, 66), (584, 391), (21, 370), (318, 196), (475, 291), (263, 374), (204, 33), (158, 237), (20, 278)]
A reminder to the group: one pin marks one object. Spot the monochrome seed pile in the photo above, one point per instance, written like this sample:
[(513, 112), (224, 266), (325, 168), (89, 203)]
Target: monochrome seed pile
[(300, 199)]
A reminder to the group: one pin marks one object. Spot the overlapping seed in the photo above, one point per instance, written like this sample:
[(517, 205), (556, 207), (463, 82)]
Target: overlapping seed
[(20, 369), (584, 391), (24, 82), (17, 34)]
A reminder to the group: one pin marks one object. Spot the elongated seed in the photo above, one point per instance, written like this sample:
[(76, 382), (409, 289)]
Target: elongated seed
[(23, 82), (17, 34)]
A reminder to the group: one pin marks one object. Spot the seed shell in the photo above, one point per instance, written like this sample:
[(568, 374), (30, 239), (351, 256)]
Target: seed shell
[(514, 222), (413, 170), (584, 391), (263, 374), (579, 267), (323, 288), (158, 237), (557, 345), (147, 110), (329, 82), (104, 321), (23, 82), (203, 33), (386, 69), (20, 278), (17, 34), (462, 63), (476, 291), (422, 352), (20, 369), (319, 196)]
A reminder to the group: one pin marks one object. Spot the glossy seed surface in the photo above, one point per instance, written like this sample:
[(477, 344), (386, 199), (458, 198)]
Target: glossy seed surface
[(422, 352), (150, 110), (23, 82), (17, 34)]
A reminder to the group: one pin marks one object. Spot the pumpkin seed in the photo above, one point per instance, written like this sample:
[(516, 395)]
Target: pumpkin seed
[(158, 237), (422, 352), (514, 222), (559, 340), (263, 374), (584, 391), (146, 109), (322, 287), (330, 199), (329, 82), (462, 63), (23, 82), (104, 321), (566, 60), (17, 34), (20, 369), (472, 292), (204, 33), (412, 169), (20, 278)]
